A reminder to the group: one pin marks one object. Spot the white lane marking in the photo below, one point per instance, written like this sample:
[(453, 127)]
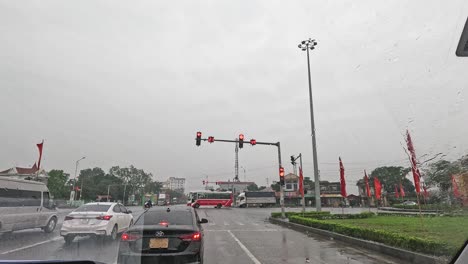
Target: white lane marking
[(251, 256), (239, 223), (226, 223), (30, 246), (255, 224)]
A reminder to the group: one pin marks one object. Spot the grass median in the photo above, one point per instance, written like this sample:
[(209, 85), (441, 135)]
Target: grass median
[(435, 235), (450, 230)]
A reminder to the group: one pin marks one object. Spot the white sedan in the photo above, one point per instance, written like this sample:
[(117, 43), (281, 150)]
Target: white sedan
[(105, 220)]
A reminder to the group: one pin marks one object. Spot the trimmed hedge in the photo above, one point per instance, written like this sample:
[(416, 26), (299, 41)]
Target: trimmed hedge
[(389, 238), (306, 214), (345, 216)]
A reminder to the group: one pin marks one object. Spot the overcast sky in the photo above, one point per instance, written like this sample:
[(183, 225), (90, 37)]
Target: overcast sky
[(131, 82)]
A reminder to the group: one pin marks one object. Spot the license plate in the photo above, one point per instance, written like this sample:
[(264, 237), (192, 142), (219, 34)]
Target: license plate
[(159, 243), (84, 221)]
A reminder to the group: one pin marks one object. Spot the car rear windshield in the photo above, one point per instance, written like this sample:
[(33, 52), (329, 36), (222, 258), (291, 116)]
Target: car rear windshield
[(93, 208), (172, 218)]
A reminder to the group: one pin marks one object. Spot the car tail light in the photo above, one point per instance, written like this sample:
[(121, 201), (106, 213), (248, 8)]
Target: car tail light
[(104, 217), (129, 237), (68, 218), (164, 223), (191, 237)]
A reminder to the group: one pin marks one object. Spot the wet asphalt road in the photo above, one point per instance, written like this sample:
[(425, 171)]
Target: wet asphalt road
[(233, 235)]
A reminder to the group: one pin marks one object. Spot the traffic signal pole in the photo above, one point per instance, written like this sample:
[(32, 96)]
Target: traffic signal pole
[(283, 215), (252, 142)]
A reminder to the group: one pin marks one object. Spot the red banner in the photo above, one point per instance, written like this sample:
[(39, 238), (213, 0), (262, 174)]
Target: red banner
[(366, 179), (414, 168), (301, 182), (397, 195), (342, 180), (402, 191), (39, 146), (377, 188)]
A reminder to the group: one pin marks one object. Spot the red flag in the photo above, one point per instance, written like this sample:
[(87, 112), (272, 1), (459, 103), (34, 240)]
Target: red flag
[(414, 168), (366, 180), (397, 195), (378, 188), (301, 182), (342, 180), (402, 191), (39, 146), (456, 193)]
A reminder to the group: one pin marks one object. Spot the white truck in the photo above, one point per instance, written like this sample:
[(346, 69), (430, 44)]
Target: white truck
[(252, 199), (162, 199)]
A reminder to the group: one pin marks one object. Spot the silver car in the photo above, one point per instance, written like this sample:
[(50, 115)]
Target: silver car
[(103, 220)]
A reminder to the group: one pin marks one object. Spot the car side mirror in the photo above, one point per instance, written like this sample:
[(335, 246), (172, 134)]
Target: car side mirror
[(129, 211), (203, 221)]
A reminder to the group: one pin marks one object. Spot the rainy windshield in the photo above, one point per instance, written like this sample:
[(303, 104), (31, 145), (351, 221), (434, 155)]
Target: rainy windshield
[(274, 131)]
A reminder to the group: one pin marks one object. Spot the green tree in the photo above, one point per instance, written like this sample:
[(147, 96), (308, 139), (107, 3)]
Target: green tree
[(440, 173), (136, 180), (96, 182), (153, 187), (389, 176), (252, 187), (57, 184), (275, 186)]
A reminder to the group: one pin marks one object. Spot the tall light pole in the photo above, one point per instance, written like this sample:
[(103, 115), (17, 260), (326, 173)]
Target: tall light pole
[(307, 45), (76, 170)]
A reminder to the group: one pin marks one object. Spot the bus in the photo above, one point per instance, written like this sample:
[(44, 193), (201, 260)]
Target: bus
[(207, 197)]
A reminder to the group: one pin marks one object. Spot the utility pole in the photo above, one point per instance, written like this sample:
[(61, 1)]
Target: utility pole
[(305, 45), (236, 162), (283, 215), (74, 181)]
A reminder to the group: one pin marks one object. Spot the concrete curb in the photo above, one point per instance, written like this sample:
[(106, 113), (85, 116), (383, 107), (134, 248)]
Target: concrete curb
[(379, 247)]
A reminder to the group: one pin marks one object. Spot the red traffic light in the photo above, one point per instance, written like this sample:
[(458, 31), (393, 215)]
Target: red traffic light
[(253, 142), (281, 172), (211, 139), (241, 137), (198, 139)]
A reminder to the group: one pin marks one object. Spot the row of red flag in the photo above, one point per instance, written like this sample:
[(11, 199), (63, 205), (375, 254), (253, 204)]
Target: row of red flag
[(399, 191)]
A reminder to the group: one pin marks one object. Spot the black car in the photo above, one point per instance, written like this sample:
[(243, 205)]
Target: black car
[(163, 235)]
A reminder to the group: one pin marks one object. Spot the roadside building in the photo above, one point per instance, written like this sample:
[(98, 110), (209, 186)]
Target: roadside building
[(175, 184), (32, 173)]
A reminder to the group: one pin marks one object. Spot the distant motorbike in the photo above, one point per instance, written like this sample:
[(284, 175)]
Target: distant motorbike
[(148, 205)]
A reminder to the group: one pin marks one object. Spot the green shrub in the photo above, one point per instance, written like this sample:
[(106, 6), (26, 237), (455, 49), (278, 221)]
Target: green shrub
[(344, 216), (389, 238)]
